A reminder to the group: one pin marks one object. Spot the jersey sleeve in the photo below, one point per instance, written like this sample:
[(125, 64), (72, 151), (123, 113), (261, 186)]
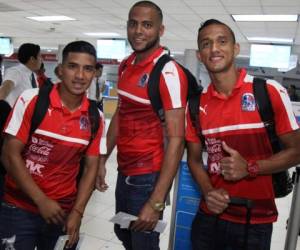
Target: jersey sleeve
[(190, 131), (173, 86), (19, 121), (285, 120), (98, 145)]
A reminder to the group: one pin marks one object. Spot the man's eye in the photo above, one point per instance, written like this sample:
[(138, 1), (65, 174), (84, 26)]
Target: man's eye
[(205, 44)]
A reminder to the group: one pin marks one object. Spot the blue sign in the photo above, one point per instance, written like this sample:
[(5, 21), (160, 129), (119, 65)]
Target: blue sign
[(187, 203)]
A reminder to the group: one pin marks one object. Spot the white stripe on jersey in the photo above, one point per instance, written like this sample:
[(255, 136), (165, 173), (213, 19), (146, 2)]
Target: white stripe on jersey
[(19, 110), (172, 80), (61, 137), (233, 127), (133, 97)]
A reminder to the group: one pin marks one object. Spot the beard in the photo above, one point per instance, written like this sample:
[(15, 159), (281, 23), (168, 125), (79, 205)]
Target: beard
[(147, 47)]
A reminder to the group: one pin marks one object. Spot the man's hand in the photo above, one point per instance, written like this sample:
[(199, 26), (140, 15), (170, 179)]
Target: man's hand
[(147, 219), (51, 211), (100, 179), (72, 227), (233, 166), (217, 200)]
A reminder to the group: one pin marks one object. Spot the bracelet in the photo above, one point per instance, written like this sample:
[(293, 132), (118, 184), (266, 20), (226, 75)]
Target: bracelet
[(77, 211)]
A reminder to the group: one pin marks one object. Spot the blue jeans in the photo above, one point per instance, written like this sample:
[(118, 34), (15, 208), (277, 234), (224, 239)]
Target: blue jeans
[(30, 230), (132, 192), (211, 233)]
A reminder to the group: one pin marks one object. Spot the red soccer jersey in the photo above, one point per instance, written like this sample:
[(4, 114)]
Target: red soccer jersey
[(140, 137), (53, 152), (235, 120)]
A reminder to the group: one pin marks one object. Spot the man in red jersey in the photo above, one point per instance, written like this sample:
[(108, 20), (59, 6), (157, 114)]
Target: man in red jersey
[(146, 165), (41, 199), (240, 159)]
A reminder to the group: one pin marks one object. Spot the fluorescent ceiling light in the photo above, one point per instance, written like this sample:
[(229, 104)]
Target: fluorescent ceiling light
[(265, 18), (271, 40), (102, 34), (50, 18)]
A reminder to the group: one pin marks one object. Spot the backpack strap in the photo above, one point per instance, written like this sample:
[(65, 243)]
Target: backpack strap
[(41, 106), (153, 86), (94, 117), (266, 112)]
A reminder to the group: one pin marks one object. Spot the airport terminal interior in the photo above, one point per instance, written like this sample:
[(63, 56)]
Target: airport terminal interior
[(269, 49)]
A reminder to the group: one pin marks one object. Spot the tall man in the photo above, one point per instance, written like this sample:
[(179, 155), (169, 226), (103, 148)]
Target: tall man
[(41, 188), (21, 77), (146, 168), (240, 159)]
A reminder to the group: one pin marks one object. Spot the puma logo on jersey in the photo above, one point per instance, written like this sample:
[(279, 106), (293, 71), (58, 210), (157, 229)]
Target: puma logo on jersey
[(203, 109)]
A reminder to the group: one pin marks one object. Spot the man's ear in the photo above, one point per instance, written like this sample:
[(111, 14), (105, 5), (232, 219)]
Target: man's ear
[(236, 49), (161, 30), (198, 55)]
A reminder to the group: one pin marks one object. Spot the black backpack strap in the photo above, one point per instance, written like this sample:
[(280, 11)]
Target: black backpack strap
[(266, 112), (94, 117), (193, 106), (153, 86), (41, 106)]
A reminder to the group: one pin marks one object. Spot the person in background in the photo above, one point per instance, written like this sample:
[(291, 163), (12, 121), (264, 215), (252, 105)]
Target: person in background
[(57, 74), (41, 76), (21, 77), (41, 199), (240, 159), (146, 166), (97, 87), (292, 93)]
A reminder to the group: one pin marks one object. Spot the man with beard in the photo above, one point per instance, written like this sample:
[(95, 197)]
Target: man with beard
[(240, 159), (146, 166)]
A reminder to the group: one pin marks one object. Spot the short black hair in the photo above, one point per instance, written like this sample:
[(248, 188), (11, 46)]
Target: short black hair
[(149, 4), (99, 66), (293, 86), (28, 50), (79, 47), (215, 21)]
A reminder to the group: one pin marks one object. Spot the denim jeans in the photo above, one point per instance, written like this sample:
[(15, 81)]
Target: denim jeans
[(30, 230), (211, 233), (132, 192)]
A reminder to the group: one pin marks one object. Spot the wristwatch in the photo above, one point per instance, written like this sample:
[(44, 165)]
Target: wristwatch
[(157, 206), (252, 168)]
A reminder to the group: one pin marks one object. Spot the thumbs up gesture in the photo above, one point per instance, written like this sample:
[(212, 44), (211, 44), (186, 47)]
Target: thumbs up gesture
[(233, 166)]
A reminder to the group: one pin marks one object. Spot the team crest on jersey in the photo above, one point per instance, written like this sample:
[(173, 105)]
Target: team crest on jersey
[(83, 122), (143, 81), (248, 102)]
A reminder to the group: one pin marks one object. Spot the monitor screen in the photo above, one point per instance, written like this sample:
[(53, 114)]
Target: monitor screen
[(111, 49), (272, 56), (5, 45)]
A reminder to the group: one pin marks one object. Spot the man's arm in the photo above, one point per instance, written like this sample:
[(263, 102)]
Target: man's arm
[(6, 88), (15, 166), (175, 126), (216, 199), (111, 140), (235, 166), (85, 189)]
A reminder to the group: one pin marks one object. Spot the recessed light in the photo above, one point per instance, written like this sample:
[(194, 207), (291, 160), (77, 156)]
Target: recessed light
[(50, 18), (265, 18), (271, 40), (102, 34)]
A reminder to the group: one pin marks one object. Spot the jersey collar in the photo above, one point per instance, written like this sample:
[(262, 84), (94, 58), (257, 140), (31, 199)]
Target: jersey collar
[(56, 101), (242, 74)]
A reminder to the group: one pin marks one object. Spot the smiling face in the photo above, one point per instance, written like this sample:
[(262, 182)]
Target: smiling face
[(77, 72), (144, 29), (217, 49)]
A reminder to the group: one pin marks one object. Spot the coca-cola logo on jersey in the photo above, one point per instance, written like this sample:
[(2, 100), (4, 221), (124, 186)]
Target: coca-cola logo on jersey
[(42, 150)]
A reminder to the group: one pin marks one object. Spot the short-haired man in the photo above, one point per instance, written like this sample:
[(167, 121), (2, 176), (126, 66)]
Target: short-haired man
[(41, 200), (240, 159), (146, 168), (21, 77)]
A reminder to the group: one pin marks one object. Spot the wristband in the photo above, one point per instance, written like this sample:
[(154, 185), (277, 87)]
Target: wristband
[(252, 168), (77, 211)]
